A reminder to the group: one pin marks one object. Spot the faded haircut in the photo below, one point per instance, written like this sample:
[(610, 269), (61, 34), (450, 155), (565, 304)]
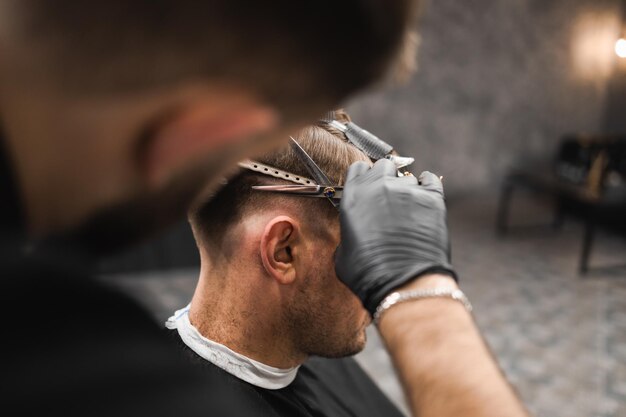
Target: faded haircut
[(284, 50), (326, 146)]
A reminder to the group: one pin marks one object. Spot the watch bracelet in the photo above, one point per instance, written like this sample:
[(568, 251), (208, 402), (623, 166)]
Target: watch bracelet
[(399, 297)]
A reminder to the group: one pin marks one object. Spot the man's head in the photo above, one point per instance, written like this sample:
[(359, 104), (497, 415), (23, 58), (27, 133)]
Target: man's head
[(125, 107), (276, 251)]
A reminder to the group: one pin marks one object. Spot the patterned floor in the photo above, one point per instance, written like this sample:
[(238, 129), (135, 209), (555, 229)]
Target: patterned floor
[(560, 338)]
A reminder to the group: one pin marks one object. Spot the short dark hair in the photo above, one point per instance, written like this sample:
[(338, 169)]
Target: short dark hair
[(284, 49), (328, 147)]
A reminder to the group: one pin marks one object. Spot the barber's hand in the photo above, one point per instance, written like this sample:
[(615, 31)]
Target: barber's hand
[(392, 230)]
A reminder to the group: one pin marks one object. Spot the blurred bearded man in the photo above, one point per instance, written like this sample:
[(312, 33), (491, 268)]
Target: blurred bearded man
[(116, 116)]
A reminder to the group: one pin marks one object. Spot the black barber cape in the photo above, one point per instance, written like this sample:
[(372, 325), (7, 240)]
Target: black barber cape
[(74, 347), (322, 388)]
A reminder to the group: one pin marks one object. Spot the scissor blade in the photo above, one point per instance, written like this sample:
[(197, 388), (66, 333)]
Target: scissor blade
[(315, 171), (303, 190), (292, 189)]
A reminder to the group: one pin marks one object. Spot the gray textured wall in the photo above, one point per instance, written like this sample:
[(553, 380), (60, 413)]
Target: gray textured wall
[(498, 83)]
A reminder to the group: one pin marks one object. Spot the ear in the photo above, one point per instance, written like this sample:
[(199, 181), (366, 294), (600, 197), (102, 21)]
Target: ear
[(196, 129), (278, 248)]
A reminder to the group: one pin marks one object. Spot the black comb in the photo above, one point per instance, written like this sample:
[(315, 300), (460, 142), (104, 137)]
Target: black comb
[(328, 117), (371, 145)]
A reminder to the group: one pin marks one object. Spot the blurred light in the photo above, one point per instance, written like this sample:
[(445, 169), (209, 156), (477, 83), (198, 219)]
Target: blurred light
[(593, 38), (620, 48)]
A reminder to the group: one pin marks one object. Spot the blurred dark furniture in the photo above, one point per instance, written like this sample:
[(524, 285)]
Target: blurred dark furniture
[(586, 179)]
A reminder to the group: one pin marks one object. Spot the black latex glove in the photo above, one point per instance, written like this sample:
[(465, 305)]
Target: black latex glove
[(392, 230)]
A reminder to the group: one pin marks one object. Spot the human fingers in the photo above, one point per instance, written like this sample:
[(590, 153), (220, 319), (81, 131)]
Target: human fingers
[(356, 169), (384, 168), (430, 182), (407, 180)]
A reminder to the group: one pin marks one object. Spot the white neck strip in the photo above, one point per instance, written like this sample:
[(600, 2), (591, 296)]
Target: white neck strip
[(244, 368)]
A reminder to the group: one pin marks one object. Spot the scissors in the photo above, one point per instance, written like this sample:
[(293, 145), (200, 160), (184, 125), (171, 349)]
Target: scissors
[(321, 186)]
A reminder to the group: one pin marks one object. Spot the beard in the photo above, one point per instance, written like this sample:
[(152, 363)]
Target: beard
[(114, 229), (321, 328), (327, 342)]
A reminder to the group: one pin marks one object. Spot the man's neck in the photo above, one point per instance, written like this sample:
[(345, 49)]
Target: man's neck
[(228, 311)]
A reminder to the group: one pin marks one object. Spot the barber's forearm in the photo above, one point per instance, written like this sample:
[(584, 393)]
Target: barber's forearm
[(444, 364)]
